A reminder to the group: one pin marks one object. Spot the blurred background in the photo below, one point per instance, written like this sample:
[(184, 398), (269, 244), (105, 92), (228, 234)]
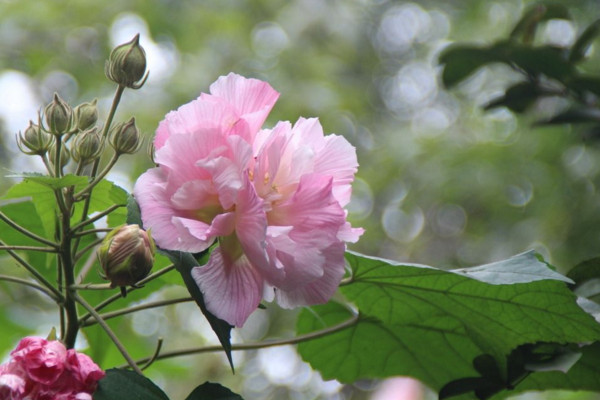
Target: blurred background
[(441, 182)]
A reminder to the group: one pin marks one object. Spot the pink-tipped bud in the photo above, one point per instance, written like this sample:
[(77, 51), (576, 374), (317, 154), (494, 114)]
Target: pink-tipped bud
[(126, 255)]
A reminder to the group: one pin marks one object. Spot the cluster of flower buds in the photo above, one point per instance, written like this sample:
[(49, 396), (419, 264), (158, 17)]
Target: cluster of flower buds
[(59, 122), (126, 256)]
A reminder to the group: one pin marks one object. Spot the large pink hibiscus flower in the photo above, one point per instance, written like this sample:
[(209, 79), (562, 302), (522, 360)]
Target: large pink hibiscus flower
[(272, 198)]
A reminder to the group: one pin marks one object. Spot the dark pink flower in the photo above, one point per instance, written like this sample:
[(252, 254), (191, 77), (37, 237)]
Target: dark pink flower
[(41, 369)]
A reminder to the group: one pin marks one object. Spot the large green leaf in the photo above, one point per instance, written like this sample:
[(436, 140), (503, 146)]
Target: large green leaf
[(121, 384), (431, 324)]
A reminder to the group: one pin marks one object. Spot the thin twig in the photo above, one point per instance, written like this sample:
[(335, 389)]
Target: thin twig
[(39, 277), (90, 231), (96, 217), (155, 355), (87, 190), (145, 306), (26, 232), (31, 284), (257, 345), (118, 296), (109, 332), (29, 248), (87, 248)]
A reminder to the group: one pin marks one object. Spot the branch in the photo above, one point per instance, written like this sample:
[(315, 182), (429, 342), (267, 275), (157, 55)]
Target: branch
[(30, 248), (26, 232), (118, 296), (90, 231), (145, 306), (109, 332), (96, 217), (31, 284), (257, 345), (39, 277)]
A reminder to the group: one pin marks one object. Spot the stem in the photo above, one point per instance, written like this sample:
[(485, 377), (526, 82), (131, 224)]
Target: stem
[(26, 232), (47, 164), (86, 248), (96, 217), (31, 284), (90, 231), (105, 130), (57, 168), (30, 248), (109, 332), (39, 277), (140, 307), (129, 289), (156, 353), (97, 179), (257, 345)]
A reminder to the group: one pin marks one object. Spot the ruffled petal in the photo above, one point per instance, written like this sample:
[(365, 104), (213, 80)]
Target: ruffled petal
[(320, 290), (157, 211), (252, 99), (232, 289)]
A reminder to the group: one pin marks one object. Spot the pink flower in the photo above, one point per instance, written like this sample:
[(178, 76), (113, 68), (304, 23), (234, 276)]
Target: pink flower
[(40, 369), (272, 198)]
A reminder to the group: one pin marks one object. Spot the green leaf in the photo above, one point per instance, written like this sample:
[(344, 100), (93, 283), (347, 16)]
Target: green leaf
[(52, 182), (119, 384), (573, 116), (585, 271), (585, 84), (584, 41), (537, 13), (517, 98), (461, 61), (212, 391), (184, 262), (522, 268), (42, 198), (430, 323)]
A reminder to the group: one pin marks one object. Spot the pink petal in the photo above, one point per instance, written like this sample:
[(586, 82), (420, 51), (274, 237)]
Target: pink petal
[(338, 159), (320, 290), (251, 98), (194, 195), (251, 224), (158, 213), (232, 289)]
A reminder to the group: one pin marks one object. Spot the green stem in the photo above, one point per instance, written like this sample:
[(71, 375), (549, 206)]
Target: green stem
[(57, 167), (118, 296), (47, 164), (39, 277), (96, 217), (257, 345), (109, 332), (87, 190), (140, 307), (26, 232), (105, 130), (34, 285), (30, 248), (87, 248), (91, 231)]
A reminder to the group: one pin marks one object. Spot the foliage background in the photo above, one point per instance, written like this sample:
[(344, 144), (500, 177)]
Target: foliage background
[(441, 181)]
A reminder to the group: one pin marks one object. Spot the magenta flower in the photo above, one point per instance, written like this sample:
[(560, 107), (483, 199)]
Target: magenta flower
[(272, 198), (41, 369)]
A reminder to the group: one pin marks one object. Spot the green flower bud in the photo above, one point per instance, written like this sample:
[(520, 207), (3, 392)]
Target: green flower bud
[(126, 64), (59, 116), (65, 157), (87, 146), (125, 137), (126, 255), (86, 115), (35, 139)]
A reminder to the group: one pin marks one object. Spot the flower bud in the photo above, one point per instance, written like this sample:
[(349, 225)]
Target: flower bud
[(86, 115), (35, 139), (126, 255), (125, 137), (59, 116), (126, 64), (65, 157), (87, 146)]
